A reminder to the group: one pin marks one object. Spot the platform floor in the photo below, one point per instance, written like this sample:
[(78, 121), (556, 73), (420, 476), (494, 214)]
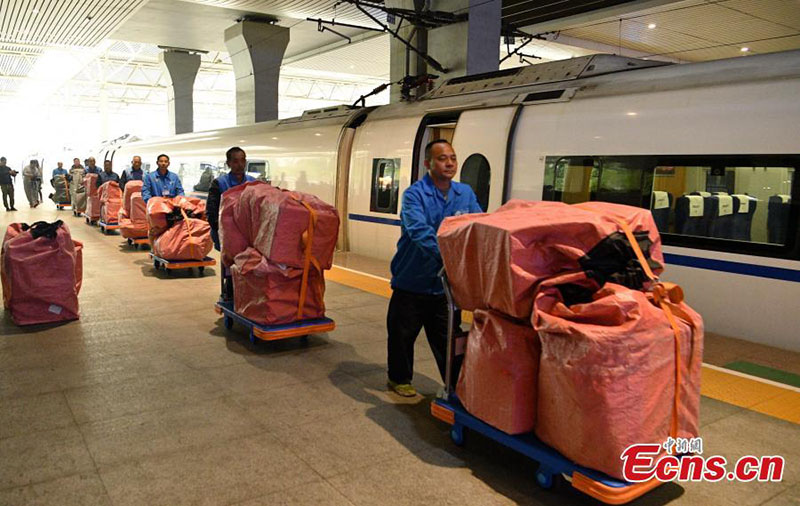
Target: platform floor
[(148, 400)]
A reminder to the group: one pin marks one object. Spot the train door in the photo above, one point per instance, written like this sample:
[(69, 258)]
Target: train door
[(480, 141)]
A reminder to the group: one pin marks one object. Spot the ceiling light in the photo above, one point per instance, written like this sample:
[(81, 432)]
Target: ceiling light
[(274, 138), (241, 140), (632, 113), (651, 26), (35, 11), (318, 134), (745, 49)]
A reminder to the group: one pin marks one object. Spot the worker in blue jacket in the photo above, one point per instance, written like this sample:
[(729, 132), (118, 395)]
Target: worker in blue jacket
[(60, 171), (417, 294), (162, 182), (91, 167), (236, 159), (107, 174), (134, 173)]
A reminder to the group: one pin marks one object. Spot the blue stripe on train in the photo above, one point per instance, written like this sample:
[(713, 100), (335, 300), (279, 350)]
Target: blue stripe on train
[(759, 271), (374, 219)]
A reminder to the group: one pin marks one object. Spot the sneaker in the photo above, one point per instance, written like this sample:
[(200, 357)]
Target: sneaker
[(13, 209), (403, 389)]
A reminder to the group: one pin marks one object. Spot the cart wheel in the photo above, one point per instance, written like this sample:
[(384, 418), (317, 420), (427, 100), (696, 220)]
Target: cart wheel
[(228, 322), (544, 479), (252, 337), (168, 271), (103, 230), (201, 269), (136, 246), (87, 220), (155, 264), (304, 340), (457, 434)]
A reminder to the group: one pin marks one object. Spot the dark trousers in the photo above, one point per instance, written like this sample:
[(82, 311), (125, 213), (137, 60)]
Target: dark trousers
[(8, 193), (408, 314)]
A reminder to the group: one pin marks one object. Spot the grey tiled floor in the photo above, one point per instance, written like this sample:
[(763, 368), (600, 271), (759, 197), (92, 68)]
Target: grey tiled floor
[(148, 400)]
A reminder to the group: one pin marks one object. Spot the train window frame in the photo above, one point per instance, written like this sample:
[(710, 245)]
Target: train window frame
[(381, 200), (482, 194), (789, 250)]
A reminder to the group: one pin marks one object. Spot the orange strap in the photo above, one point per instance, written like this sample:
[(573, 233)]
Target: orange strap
[(666, 296), (189, 231), (308, 258)]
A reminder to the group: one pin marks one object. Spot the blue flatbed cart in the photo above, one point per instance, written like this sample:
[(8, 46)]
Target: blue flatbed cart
[(448, 408), (137, 242), (258, 332), (170, 265), (107, 227)]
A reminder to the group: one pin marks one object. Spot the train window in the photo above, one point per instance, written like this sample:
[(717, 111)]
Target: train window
[(477, 173), (696, 200), (385, 185)]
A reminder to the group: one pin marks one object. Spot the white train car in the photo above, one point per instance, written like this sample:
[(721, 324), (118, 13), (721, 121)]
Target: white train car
[(711, 147)]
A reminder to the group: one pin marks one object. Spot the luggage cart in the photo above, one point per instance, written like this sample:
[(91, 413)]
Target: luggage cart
[(258, 332), (62, 207), (170, 265), (107, 227), (137, 242), (447, 408), (89, 221), (76, 213)]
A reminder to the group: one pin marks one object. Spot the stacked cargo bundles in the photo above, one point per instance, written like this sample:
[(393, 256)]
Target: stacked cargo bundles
[(277, 244), (177, 228), (572, 336), (110, 202), (133, 215), (61, 195), (28, 252), (92, 209)]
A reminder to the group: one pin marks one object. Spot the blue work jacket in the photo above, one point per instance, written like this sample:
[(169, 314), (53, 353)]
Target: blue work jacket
[(59, 172), (416, 265), (93, 170), (156, 185)]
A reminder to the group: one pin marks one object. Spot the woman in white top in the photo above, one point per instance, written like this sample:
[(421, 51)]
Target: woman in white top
[(32, 179)]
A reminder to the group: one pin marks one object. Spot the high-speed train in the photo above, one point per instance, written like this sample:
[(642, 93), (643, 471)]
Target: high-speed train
[(712, 148)]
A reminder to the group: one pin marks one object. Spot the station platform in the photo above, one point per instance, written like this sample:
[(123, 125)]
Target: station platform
[(148, 399)]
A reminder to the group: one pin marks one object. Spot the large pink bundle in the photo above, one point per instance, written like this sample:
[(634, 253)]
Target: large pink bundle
[(131, 188), (498, 379), (607, 372), (110, 191), (270, 294), (90, 183), (158, 208), (130, 229), (188, 239), (232, 239), (109, 210), (495, 260), (93, 205), (277, 223), (32, 297)]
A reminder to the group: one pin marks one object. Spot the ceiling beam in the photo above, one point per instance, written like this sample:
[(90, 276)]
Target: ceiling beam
[(617, 11)]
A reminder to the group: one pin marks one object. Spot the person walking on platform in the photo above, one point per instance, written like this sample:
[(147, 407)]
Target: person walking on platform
[(91, 168), (135, 173), (418, 298), (236, 159), (162, 182), (107, 175), (7, 184), (31, 180)]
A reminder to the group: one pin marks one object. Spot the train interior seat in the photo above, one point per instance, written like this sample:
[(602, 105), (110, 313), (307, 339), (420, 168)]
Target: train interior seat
[(691, 215), (661, 208), (745, 206), (723, 207), (778, 218)]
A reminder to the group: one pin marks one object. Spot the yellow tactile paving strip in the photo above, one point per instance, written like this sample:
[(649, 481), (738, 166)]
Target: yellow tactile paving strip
[(763, 396)]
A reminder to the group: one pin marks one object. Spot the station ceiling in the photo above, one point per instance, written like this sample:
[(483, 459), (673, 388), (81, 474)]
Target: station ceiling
[(85, 52)]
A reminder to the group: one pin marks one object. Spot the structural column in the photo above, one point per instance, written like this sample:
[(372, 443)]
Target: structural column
[(472, 47), (181, 66), (256, 49)]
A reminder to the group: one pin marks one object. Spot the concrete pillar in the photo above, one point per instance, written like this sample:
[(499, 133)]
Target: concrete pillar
[(466, 48), (472, 47), (182, 69), (256, 49)]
